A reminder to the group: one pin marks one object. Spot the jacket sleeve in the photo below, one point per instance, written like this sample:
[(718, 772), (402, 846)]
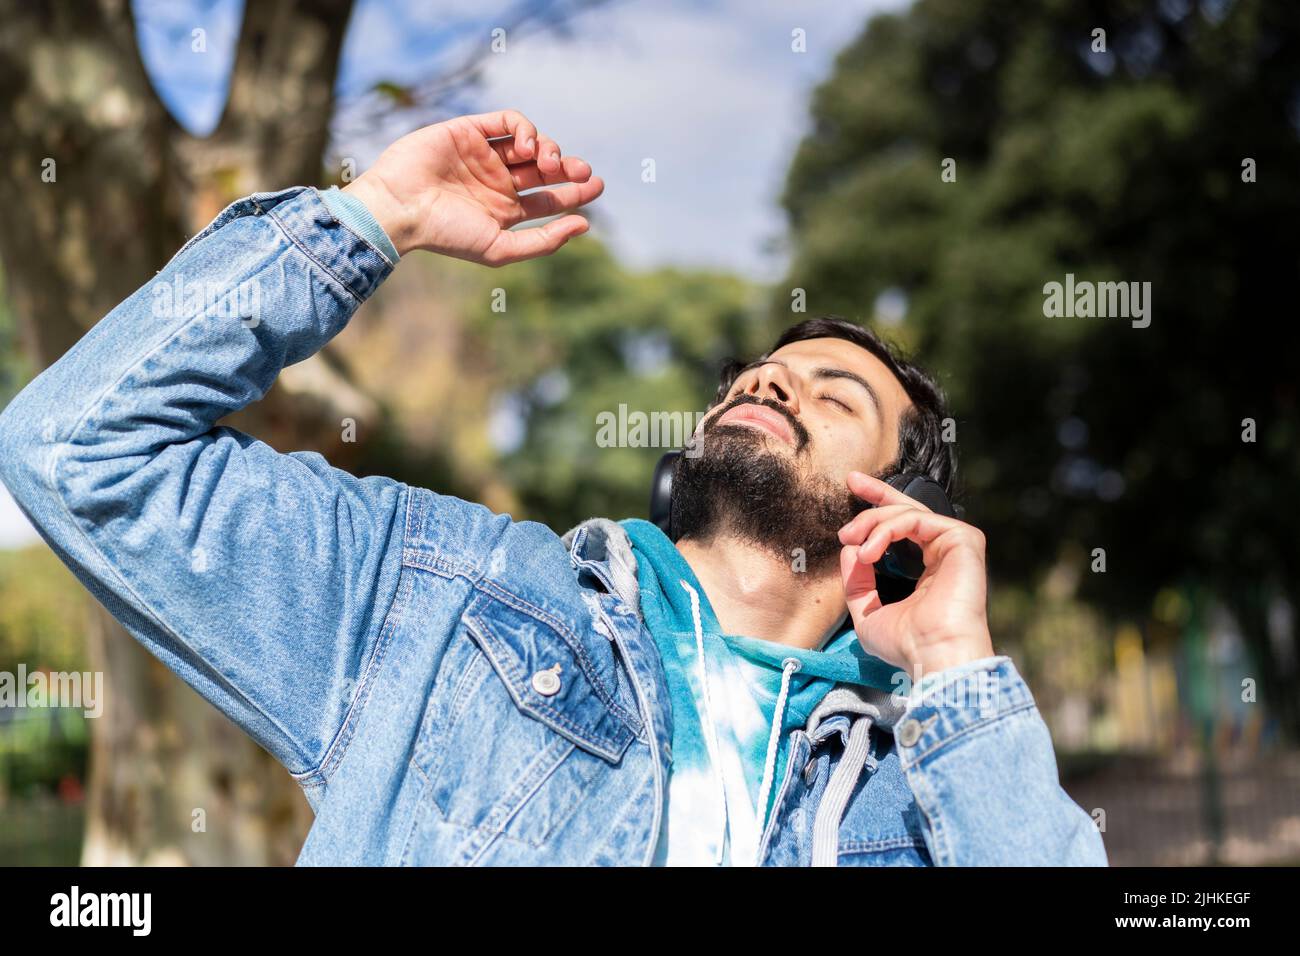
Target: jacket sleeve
[(979, 760), (262, 579)]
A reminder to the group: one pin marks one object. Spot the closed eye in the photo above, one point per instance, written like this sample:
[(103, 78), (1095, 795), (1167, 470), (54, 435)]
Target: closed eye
[(832, 398)]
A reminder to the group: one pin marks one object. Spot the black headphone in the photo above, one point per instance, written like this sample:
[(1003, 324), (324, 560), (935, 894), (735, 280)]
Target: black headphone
[(901, 563)]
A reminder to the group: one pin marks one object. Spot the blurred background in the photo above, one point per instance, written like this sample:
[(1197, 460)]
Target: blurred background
[(926, 167)]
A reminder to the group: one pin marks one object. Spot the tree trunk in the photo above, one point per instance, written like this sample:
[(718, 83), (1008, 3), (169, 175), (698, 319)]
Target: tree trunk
[(101, 188)]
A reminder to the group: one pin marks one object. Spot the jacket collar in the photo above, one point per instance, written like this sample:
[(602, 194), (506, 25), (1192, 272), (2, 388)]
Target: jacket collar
[(602, 547)]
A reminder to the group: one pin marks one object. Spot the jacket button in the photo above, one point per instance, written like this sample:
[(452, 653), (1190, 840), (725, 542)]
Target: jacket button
[(547, 682), (909, 732)]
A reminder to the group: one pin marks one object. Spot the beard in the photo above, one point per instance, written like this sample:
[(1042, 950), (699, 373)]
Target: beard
[(739, 487)]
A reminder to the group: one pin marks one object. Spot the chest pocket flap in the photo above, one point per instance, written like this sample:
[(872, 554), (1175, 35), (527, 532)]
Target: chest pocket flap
[(550, 675)]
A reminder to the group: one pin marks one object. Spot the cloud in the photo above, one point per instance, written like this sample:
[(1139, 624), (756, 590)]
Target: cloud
[(712, 93)]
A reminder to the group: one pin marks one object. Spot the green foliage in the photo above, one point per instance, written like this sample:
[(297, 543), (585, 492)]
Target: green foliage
[(43, 612), (41, 830), (401, 95), (1121, 166), (580, 336), (43, 617)]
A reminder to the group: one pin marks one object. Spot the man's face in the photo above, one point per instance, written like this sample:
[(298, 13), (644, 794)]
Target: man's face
[(774, 455)]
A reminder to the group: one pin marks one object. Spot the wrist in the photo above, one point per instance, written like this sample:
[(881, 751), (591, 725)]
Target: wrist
[(393, 216), (950, 652)]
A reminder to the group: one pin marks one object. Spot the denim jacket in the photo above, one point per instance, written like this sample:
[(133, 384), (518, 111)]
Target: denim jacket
[(448, 685)]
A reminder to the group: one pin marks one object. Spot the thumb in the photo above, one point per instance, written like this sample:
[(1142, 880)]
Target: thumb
[(860, 592), (512, 245)]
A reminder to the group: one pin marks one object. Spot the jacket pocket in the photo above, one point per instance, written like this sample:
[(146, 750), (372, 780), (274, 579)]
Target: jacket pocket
[(552, 674), (522, 725)]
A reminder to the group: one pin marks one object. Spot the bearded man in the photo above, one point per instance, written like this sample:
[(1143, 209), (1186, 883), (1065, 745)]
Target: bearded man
[(452, 686)]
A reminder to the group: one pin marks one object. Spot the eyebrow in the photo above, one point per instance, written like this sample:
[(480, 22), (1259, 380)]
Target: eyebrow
[(825, 372)]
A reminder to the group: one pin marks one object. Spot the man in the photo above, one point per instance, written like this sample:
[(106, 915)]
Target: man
[(450, 686)]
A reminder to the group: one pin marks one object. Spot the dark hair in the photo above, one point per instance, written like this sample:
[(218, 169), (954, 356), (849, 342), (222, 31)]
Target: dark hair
[(921, 448)]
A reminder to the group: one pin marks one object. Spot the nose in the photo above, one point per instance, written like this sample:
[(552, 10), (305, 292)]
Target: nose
[(775, 382)]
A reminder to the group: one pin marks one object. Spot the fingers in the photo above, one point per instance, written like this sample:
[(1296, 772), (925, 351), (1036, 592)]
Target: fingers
[(549, 202), (529, 176), (548, 155), (875, 530), (910, 525), (857, 529), (508, 123), (546, 152), (509, 153), (517, 245), (544, 155), (889, 523), (532, 158), (879, 492), (893, 509)]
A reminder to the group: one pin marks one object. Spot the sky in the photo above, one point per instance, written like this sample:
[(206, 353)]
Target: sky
[(710, 90)]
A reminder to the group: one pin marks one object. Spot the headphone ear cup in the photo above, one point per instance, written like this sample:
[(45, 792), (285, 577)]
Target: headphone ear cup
[(925, 490), (902, 561), (661, 492)]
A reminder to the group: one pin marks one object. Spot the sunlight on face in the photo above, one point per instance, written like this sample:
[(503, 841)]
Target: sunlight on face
[(846, 399)]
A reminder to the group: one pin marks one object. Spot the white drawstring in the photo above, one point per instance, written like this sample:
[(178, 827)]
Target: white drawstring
[(830, 810), (710, 732), (788, 668)]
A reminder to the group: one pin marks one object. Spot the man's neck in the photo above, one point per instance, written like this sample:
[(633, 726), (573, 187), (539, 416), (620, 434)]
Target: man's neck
[(757, 594)]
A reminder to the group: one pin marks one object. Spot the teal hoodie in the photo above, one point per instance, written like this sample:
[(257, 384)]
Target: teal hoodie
[(733, 708)]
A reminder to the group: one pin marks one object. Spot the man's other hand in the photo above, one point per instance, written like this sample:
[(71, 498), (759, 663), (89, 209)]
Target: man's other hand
[(944, 622)]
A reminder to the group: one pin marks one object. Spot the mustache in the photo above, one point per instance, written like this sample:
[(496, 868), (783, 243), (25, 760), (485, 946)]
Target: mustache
[(800, 433)]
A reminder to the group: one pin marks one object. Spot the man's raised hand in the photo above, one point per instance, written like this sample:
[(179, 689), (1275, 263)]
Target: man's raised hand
[(454, 188)]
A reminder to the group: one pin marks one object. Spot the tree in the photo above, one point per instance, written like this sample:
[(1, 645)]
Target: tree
[(1163, 154), (102, 186)]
